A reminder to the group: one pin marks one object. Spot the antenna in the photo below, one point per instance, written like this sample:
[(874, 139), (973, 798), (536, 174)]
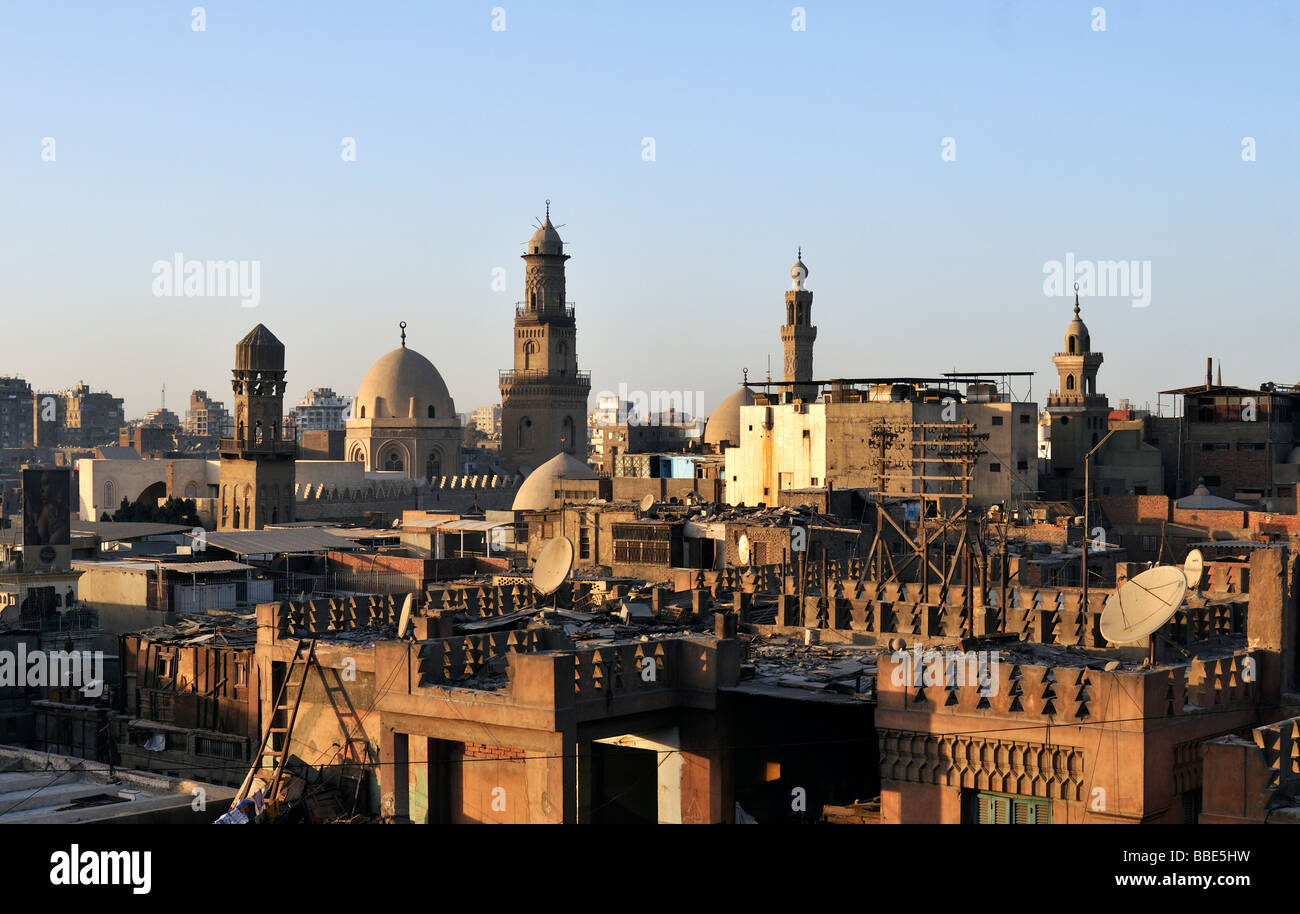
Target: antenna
[(553, 565), (742, 549), (647, 504), (1143, 604)]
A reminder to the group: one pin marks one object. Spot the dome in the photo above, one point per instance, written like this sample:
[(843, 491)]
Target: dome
[(724, 423), (403, 385), (538, 491), (259, 351), (546, 240), (798, 272)]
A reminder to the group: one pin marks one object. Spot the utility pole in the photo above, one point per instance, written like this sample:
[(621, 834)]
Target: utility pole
[(1087, 494)]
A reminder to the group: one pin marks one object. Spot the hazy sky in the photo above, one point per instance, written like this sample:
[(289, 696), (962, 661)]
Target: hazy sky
[(225, 144)]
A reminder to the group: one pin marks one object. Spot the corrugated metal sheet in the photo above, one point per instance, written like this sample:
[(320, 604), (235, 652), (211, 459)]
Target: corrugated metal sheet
[(263, 542)]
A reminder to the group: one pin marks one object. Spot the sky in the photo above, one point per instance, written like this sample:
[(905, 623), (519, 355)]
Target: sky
[(932, 159)]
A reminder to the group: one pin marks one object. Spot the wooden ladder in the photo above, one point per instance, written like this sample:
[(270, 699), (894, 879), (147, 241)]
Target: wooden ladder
[(278, 737)]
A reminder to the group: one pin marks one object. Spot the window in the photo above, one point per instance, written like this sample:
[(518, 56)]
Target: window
[(995, 468), (997, 420), (1022, 466), (641, 544), (806, 433), (1024, 418), (584, 543), (987, 808), (431, 415), (1148, 544)]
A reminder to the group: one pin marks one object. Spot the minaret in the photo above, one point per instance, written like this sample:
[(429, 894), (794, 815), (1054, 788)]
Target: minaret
[(1079, 415), (258, 449), (798, 334), (544, 398)]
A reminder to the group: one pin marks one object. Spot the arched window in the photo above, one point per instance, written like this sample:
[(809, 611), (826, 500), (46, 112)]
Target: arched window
[(191, 490), (566, 435), (532, 300), (433, 466), (1069, 382), (394, 461), (363, 412), (109, 491), (1071, 341), (236, 517), (525, 433), (530, 349), (431, 412)]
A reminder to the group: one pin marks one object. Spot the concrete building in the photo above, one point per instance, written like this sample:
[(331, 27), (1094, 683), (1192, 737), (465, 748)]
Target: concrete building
[(257, 458), (78, 417), (321, 409), (15, 413), (404, 420), (544, 398), (206, 417), (487, 419)]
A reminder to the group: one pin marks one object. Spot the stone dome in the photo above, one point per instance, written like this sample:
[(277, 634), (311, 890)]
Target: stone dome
[(403, 385), (724, 423), (538, 491), (1078, 333), (546, 240)]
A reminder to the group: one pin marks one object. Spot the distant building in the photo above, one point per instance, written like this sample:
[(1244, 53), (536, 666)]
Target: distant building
[(162, 417), (487, 419), (15, 413), (321, 410), (78, 417), (206, 417)]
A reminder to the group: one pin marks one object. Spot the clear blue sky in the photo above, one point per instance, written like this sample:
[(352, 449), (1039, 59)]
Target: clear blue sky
[(225, 144)]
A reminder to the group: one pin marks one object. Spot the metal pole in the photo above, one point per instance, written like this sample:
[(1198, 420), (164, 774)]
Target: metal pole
[(1087, 492)]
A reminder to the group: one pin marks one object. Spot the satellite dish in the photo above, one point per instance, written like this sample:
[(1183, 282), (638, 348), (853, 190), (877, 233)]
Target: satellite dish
[(1143, 604), (553, 565), (647, 503), (404, 620), (742, 548), (1194, 568)]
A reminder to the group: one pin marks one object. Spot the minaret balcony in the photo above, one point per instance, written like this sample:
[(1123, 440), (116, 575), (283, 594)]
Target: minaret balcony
[(522, 310), (281, 441)]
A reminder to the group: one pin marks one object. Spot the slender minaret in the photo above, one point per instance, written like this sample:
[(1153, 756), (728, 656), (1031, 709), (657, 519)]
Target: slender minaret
[(798, 335), (544, 398)]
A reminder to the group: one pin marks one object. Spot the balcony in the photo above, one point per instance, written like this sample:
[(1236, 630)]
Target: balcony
[(510, 378), (281, 439), (522, 310)]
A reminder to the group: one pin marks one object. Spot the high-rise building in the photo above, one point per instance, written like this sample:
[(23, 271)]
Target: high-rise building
[(487, 420), (78, 417), (321, 409), (206, 417), (15, 413), (544, 398), (257, 457)]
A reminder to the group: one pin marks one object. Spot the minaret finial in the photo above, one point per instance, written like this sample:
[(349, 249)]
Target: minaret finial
[(799, 256), (548, 209), (1076, 299), (403, 326)]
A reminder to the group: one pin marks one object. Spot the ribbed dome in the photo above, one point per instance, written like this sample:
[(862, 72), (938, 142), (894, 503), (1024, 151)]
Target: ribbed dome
[(403, 385), (724, 423), (259, 351), (546, 240), (538, 491)]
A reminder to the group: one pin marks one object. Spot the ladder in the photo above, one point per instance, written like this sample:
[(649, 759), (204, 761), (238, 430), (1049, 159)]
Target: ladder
[(296, 677)]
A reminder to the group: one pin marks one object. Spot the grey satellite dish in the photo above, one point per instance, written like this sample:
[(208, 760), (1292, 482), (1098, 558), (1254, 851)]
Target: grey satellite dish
[(1143, 604), (1194, 568), (647, 503), (404, 620), (553, 565), (742, 549)]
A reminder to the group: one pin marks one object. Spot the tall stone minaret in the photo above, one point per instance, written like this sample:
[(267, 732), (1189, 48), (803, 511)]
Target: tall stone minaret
[(798, 335), (258, 451), (544, 399)]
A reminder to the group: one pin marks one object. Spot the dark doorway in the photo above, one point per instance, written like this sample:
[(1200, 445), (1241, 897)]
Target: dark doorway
[(625, 785)]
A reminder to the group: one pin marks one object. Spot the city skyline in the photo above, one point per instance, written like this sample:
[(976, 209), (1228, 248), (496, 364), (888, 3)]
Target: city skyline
[(836, 138)]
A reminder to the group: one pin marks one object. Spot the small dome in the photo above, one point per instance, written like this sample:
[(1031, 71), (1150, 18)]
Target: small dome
[(538, 491), (1077, 340), (724, 423), (798, 272), (403, 385), (259, 351), (546, 240)]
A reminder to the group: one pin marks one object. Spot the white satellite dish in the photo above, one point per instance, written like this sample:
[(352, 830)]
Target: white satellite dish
[(647, 503), (404, 620), (742, 548), (553, 565), (1194, 568), (1143, 604)]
